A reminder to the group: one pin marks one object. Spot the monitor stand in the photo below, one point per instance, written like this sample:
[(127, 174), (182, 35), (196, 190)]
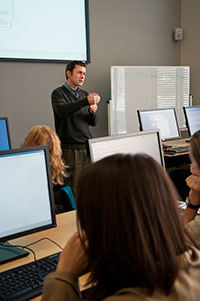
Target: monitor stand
[(9, 252)]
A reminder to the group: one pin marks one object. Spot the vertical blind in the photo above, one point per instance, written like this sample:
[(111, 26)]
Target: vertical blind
[(146, 87)]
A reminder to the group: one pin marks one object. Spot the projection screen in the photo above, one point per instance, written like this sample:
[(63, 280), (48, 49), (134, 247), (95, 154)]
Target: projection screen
[(47, 30)]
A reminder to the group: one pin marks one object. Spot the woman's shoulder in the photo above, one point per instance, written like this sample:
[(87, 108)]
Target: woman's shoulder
[(57, 187), (186, 286), (193, 228), (129, 294), (61, 198)]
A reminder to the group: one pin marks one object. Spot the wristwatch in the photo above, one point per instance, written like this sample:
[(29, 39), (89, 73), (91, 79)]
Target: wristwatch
[(191, 206)]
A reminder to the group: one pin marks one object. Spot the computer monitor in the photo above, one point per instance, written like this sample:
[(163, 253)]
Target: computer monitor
[(192, 119), (26, 195), (5, 142), (163, 119), (144, 142)]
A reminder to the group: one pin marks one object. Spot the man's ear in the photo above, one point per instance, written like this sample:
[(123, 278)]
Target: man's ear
[(68, 73)]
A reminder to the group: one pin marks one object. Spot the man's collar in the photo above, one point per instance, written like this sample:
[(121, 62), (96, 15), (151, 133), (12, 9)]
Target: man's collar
[(74, 92)]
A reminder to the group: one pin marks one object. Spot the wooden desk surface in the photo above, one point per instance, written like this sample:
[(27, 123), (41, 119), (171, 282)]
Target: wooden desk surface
[(66, 226), (176, 143)]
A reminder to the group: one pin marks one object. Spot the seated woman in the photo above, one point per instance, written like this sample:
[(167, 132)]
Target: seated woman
[(130, 237), (41, 135), (193, 182)]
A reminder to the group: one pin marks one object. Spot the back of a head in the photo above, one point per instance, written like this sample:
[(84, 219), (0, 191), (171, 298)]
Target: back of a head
[(43, 135), (195, 146), (37, 135), (126, 204)]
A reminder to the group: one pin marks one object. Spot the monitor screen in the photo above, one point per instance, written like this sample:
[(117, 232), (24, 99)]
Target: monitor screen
[(192, 118), (163, 119), (26, 195), (5, 143), (145, 142)]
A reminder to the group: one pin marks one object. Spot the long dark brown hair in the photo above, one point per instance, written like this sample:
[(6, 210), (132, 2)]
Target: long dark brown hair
[(126, 205), (195, 146)]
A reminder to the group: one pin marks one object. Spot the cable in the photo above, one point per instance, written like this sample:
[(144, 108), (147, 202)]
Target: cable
[(44, 239)]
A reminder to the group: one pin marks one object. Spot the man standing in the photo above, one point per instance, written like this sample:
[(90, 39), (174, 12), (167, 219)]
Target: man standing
[(74, 111)]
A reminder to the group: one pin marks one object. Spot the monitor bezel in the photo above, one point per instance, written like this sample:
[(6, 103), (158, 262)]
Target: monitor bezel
[(8, 130), (157, 110), (50, 187), (185, 110), (94, 140)]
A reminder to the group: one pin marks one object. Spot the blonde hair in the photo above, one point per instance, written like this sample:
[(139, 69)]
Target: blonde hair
[(41, 135)]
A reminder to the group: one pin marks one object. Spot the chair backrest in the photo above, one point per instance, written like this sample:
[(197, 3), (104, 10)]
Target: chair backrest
[(70, 196)]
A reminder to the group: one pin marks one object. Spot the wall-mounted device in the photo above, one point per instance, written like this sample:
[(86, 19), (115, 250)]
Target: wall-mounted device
[(178, 34)]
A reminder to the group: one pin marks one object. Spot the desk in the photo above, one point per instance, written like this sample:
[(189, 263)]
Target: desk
[(66, 226), (176, 143), (178, 166), (178, 159)]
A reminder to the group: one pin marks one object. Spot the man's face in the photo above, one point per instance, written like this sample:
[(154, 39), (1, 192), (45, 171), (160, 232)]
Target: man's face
[(76, 77)]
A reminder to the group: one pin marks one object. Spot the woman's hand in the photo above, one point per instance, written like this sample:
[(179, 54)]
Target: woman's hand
[(193, 182), (73, 258), (194, 197)]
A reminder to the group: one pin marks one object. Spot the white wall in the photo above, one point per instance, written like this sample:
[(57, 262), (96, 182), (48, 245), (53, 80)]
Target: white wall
[(128, 32), (190, 45)]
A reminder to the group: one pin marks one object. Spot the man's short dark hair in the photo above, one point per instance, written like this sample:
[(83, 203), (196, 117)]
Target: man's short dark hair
[(71, 66)]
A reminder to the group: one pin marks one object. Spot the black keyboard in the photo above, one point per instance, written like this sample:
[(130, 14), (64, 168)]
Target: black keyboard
[(26, 281), (177, 150)]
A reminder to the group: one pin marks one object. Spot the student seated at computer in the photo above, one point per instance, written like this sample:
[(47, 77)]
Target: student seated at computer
[(131, 237), (193, 182), (40, 135)]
